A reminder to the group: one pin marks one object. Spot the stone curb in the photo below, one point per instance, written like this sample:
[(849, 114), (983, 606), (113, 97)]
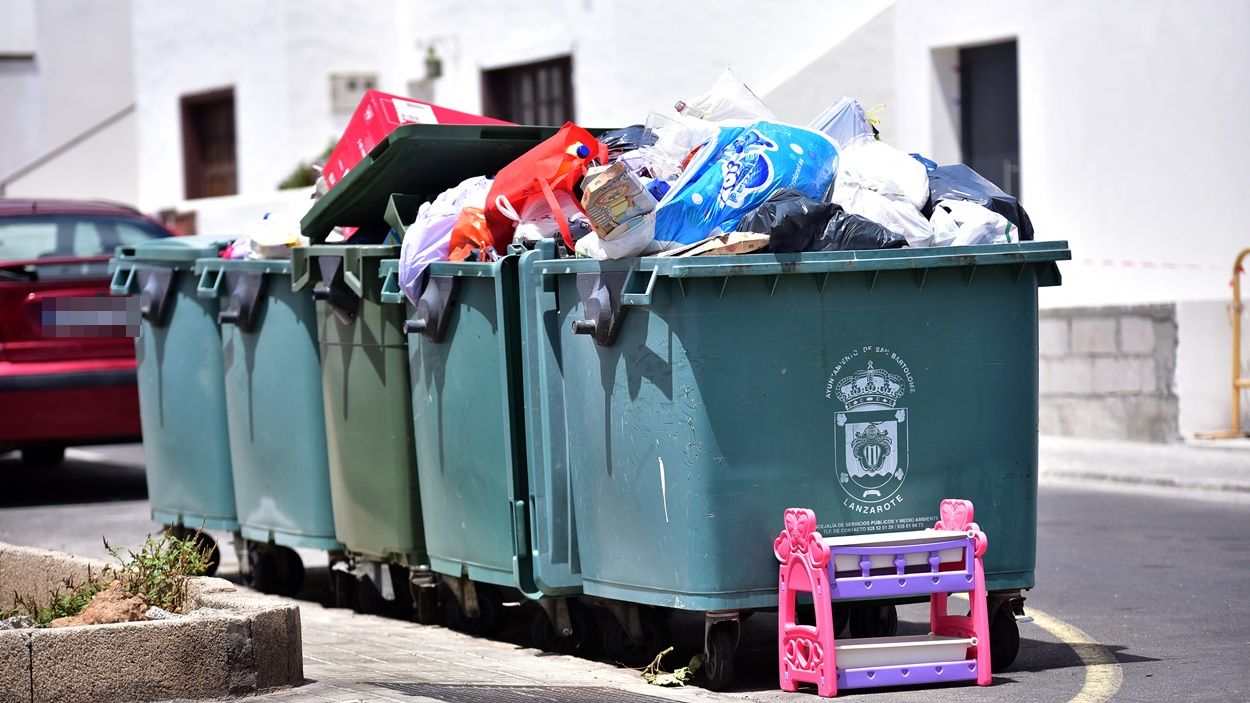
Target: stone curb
[(235, 643)]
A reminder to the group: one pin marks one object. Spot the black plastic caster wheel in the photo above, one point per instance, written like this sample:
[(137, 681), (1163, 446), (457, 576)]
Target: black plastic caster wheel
[(490, 619), (718, 664), (344, 587), (655, 637), (369, 600), (275, 569), (873, 620), (1004, 638), (425, 605), (581, 641)]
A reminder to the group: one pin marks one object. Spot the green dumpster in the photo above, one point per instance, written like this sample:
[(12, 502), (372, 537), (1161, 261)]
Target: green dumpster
[(368, 418), (364, 357), (706, 395), (182, 404), (275, 417), (484, 525)]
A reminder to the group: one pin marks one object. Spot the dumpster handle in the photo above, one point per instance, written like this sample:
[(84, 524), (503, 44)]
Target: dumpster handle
[(634, 294), (434, 308), (154, 289), (123, 279), (334, 290), (601, 295), (246, 292), (210, 283)]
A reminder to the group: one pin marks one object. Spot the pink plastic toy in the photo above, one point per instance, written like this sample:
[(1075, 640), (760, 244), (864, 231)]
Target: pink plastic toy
[(942, 560)]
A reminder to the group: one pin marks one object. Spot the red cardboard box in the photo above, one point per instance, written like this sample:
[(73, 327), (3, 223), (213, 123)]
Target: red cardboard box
[(377, 115)]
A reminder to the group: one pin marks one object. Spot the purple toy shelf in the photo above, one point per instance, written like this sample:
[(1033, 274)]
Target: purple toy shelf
[(935, 562)]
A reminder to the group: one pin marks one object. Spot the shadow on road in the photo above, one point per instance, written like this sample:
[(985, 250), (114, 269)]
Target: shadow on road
[(74, 481)]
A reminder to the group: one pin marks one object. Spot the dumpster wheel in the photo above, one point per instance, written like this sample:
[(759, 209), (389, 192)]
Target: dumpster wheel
[(655, 637), (1004, 638), (582, 639), (719, 648), (274, 569), (489, 601)]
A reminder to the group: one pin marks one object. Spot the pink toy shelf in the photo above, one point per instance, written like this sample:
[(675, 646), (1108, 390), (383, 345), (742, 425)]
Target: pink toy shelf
[(938, 561)]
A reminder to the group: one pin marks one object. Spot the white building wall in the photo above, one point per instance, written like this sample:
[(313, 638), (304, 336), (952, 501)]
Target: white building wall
[(80, 75), (628, 59), (1132, 132)]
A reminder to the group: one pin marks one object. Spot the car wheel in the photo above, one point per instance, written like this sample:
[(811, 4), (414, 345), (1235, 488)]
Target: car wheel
[(43, 456)]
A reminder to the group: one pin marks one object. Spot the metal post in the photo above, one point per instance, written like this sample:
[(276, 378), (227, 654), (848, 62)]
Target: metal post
[(1239, 382)]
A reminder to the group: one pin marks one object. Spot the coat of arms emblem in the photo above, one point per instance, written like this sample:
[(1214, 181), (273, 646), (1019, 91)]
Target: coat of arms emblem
[(871, 435)]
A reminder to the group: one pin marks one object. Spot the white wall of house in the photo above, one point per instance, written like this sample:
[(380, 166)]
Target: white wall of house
[(277, 56), (66, 69), (628, 59), (1132, 131)]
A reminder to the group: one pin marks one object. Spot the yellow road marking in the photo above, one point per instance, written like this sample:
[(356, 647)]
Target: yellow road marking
[(1103, 676)]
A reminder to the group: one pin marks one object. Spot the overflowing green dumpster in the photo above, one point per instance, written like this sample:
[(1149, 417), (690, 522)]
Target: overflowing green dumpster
[(485, 526), (182, 399), (275, 417), (706, 395), (369, 423)]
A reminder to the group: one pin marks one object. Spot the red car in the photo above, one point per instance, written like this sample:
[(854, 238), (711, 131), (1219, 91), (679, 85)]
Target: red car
[(57, 390)]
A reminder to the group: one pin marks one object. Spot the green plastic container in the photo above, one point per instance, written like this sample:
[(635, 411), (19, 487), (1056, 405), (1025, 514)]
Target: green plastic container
[(706, 395), (421, 160), (368, 413), (482, 519), (273, 401), (182, 398)]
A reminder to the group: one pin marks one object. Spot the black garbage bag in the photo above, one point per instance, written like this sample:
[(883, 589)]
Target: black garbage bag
[(959, 182), (845, 232), (790, 219), (619, 141)]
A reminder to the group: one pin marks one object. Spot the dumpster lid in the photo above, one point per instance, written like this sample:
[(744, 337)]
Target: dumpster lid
[(399, 165), (175, 249)]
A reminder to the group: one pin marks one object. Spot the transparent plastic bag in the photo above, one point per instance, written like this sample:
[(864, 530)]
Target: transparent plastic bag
[(845, 122), (728, 99)]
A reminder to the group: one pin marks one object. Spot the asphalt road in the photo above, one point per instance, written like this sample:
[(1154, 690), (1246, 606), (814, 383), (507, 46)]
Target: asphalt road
[(1156, 588)]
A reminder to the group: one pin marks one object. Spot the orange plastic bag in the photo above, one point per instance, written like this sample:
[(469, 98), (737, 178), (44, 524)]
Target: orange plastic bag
[(556, 164), (470, 232)]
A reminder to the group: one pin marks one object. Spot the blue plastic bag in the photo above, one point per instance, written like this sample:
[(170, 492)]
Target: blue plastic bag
[(735, 173)]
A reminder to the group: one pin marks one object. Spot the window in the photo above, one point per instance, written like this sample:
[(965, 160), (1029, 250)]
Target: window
[(533, 93), (990, 113), (208, 152), (346, 89), (45, 236)]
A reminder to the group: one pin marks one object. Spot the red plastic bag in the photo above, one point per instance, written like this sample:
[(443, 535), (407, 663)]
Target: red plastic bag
[(470, 232), (556, 164)]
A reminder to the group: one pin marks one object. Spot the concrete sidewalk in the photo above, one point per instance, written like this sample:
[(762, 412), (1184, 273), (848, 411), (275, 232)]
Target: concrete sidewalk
[(1207, 470)]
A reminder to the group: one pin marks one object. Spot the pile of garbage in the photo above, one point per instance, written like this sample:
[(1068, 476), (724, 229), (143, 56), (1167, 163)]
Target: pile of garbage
[(720, 176)]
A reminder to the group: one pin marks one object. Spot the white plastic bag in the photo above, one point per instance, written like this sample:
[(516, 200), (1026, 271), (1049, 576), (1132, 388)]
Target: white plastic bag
[(728, 99), (962, 223), (428, 238), (880, 167), (887, 186), (845, 122), (896, 215), (628, 240)]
